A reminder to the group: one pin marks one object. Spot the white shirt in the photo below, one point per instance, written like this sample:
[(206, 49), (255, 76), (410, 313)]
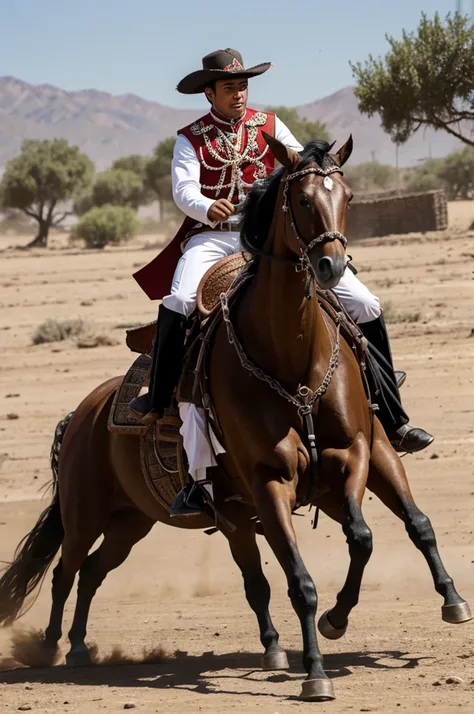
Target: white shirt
[(186, 170)]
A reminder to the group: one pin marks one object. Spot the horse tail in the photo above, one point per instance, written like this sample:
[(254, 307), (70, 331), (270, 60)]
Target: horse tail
[(36, 551)]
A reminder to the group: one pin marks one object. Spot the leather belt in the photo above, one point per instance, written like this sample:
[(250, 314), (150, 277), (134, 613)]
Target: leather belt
[(227, 226)]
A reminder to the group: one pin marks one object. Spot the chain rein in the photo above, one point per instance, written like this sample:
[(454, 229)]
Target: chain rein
[(304, 400)]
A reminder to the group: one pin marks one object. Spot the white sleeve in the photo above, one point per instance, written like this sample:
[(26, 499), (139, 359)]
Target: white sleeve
[(283, 134), (185, 177)]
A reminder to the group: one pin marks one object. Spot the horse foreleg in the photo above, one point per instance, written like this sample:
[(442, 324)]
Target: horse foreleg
[(125, 529), (333, 623), (244, 548), (388, 480), (273, 505)]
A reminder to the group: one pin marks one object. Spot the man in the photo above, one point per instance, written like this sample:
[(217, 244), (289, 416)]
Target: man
[(216, 160)]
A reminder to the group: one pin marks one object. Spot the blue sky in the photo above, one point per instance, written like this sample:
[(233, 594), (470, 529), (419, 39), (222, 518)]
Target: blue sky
[(146, 46)]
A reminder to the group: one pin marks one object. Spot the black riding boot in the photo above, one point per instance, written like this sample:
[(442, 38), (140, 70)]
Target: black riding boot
[(383, 383), (167, 358)]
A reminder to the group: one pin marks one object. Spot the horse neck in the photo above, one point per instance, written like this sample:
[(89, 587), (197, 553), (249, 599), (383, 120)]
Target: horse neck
[(288, 329)]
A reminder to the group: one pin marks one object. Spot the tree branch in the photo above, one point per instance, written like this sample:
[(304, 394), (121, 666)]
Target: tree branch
[(58, 219), (437, 123), (32, 214)]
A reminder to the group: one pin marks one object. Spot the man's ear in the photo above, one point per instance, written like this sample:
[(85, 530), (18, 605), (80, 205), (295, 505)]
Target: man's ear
[(286, 156)]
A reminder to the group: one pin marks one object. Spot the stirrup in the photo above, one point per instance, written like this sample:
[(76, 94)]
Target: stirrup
[(146, 418), (185, 505)]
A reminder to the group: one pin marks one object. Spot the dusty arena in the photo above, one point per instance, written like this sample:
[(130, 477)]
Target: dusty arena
[(173, 630)]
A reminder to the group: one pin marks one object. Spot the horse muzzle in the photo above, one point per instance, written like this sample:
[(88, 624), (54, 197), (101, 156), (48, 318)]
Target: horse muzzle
[(329, 270)]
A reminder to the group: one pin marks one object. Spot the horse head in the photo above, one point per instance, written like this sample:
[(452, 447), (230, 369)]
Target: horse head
[(315, 200)]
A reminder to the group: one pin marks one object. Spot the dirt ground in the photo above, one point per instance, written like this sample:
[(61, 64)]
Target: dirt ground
[(181, 591)]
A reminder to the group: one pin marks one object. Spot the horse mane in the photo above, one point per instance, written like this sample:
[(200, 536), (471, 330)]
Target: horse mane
[(259, 206)]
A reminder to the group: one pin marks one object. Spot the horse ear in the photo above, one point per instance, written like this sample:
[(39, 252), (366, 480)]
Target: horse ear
[(341, 156), (286, 156)]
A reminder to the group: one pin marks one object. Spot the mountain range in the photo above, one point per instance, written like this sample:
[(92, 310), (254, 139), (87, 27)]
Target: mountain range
[(106, 127)]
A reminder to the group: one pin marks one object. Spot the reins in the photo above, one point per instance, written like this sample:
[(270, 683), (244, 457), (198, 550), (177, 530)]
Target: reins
[(302, 262)]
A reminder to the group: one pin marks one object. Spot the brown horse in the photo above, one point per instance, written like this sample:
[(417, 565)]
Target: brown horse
[(274, 362)]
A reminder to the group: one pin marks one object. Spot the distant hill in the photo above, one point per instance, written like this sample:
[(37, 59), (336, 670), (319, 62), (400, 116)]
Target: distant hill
[(107, 127)]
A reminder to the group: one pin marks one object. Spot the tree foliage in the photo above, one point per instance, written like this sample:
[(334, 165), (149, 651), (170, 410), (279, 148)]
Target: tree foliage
[(118, 187), (454, 174), (301, 128), (42, 176), (104, 225), (371, 176), (426, 79), (158, 172), (138, 164)]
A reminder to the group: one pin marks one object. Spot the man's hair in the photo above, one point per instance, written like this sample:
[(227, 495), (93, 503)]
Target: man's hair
[(212, 87)]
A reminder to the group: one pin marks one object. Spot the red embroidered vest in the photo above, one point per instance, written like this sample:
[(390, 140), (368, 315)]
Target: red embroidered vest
[(232, 155)]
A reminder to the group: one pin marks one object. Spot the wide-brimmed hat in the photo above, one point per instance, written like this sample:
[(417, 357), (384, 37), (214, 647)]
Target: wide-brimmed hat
[(219, 65)]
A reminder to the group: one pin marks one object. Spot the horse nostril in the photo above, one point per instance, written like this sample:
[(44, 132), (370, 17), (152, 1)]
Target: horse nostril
[(325, 268)]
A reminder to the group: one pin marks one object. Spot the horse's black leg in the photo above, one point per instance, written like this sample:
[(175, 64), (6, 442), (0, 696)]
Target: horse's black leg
[(274, 510), (246, 554), (333, 623), (387, 479), (125, 529), (60, 590)]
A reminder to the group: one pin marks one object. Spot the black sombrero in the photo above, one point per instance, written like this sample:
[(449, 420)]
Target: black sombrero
[(219, 65)]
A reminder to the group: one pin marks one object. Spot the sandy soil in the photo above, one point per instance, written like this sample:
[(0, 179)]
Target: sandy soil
[(181, 591)]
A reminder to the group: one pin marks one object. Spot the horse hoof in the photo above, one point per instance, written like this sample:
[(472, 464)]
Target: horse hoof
[(317, 690), (327, 630), (456, 613), (81, 658), (275, 661)]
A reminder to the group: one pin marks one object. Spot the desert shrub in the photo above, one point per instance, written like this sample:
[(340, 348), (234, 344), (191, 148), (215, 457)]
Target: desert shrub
[(58, 330), (106, 225)]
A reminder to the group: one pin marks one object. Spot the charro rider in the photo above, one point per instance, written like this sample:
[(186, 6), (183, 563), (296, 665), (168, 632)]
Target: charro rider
[(216, 160)]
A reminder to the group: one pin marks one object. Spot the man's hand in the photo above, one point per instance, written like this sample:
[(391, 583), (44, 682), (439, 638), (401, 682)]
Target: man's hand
[(220, 210)]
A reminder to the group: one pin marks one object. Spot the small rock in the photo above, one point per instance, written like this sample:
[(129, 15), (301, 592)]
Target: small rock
[(437, 683), (11, 396), (24, 708), (217, 634), (129, 705), (454, 680), (434, 456), (12, 416)]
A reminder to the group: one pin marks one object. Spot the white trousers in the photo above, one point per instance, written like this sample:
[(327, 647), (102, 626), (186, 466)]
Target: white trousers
[(205, 249)]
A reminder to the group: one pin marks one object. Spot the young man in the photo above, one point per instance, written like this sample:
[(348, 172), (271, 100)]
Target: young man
[(215, 163)]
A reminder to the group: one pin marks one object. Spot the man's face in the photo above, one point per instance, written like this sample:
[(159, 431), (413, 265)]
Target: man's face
[(229, 97)]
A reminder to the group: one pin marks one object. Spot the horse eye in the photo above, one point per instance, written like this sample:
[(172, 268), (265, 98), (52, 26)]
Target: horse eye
[(303, 200)]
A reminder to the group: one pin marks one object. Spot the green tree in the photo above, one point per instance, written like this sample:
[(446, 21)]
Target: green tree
[(457, 175), (104, 225), (301, 128), (158, 172), (426, 79), (44, 174), (371, 176), (134, 162), (138, 164), (118, 187), (425, 177)]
